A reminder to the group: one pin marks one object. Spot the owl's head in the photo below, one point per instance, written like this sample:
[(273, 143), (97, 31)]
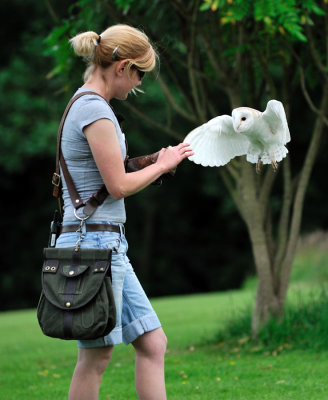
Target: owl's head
[(242, 119)]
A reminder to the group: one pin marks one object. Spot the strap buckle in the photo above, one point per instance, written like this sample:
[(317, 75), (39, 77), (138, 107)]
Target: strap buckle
[(55, 179)]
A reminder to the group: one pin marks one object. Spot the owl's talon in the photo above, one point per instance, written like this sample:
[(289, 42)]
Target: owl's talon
[(274, 165), (258, 166)]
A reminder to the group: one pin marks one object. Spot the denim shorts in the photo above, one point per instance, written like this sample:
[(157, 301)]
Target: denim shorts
[(135, 315)]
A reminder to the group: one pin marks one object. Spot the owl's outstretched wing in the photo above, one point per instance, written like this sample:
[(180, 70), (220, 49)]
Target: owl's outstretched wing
[(275, 117), (215, 143)]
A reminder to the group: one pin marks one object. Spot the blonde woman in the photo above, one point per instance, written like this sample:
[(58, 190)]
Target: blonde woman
[(94, 150)]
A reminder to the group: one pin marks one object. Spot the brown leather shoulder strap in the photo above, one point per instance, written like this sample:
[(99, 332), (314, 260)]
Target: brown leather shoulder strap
[(97, 198)]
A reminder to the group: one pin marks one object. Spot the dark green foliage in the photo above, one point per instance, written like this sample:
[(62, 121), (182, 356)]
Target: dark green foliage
[(276, 17), (29, 110)]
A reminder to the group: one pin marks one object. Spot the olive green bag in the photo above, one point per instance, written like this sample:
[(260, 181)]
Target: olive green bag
[(77, 299)]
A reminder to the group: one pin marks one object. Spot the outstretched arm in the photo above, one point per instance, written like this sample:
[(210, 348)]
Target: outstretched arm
[(103, 141)]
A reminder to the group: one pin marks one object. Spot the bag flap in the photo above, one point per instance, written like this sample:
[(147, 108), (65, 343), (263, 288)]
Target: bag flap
[(72, 271), (74, 286)]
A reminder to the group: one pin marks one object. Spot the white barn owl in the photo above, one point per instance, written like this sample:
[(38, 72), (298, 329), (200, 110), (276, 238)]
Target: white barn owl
[(261, 136)]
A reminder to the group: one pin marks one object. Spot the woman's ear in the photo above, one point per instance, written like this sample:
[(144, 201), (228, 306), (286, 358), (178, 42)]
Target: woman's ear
[(121, 65)]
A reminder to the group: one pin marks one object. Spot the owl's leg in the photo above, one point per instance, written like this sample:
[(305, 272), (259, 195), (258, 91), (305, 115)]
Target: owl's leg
[(258, 165), (274, 165)]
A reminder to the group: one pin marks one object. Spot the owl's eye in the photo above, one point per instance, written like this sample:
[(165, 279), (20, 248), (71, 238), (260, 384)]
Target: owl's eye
[(243, 119)]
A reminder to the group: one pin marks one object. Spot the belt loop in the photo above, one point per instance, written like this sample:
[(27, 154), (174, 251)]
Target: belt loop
[(121, 226), (122, 229)]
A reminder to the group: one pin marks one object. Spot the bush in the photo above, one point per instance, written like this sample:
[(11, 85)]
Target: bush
[(305, 325)]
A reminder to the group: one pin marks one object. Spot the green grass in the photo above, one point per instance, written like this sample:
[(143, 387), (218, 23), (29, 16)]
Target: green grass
[(202, 362)]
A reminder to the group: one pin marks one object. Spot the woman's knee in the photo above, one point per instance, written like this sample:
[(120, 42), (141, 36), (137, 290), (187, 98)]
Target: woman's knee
[(95, 359), (152, 344)]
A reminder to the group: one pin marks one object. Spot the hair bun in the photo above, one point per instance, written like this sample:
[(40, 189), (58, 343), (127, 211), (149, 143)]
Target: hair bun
[(84, 43)]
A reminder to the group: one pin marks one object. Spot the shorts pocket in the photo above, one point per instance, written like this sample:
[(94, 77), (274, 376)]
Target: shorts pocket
[(110, 240)]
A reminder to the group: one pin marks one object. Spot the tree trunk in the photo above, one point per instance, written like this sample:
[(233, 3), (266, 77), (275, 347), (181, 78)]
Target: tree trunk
[(266, 302)]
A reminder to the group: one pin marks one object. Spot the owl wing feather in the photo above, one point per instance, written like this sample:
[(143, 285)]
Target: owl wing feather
[(215, 143), (275, 117)]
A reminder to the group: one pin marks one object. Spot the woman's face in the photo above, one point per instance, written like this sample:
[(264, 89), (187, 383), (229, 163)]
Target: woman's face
[(130, 79)]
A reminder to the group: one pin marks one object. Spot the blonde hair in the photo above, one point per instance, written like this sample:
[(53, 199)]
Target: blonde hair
[(129, 44)]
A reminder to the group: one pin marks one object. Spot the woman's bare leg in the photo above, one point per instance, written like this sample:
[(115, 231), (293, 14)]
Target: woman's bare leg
[(90, 366), (149, 372)]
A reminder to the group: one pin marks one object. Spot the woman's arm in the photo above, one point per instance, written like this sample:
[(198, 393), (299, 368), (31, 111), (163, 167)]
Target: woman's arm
[(104, 144)]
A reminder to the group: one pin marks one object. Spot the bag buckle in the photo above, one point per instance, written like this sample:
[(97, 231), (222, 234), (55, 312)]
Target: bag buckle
[(55, 179)]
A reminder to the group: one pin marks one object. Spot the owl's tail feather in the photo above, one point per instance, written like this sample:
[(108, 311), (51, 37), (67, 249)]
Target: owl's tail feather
[(276, 154)]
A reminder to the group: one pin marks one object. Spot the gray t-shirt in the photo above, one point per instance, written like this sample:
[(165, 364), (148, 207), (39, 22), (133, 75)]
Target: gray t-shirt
[(80, 162)]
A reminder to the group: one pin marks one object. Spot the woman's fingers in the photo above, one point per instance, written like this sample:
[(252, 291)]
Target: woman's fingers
[(172, 156), (185, 150), (184, 147), (180, 145)]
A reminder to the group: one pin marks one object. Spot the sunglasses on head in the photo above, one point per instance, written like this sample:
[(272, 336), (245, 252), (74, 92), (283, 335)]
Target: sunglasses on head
[(140, 73)]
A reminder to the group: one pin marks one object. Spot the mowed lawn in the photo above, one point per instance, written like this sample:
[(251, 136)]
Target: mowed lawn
[(198, 366), (34, 367)]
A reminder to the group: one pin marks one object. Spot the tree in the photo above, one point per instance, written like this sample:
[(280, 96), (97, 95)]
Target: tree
[(219, 55), (276, 29)]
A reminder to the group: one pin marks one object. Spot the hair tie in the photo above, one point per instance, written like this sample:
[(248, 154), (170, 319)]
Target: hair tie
[(98, 40), (114, 54)]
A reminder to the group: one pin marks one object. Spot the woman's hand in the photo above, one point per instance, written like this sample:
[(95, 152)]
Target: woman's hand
[(171, 156)]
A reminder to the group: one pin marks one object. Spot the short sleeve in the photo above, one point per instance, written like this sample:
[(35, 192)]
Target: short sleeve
[(91, 109)]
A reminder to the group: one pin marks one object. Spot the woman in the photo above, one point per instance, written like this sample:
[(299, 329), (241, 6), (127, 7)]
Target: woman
[(94, 149)]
